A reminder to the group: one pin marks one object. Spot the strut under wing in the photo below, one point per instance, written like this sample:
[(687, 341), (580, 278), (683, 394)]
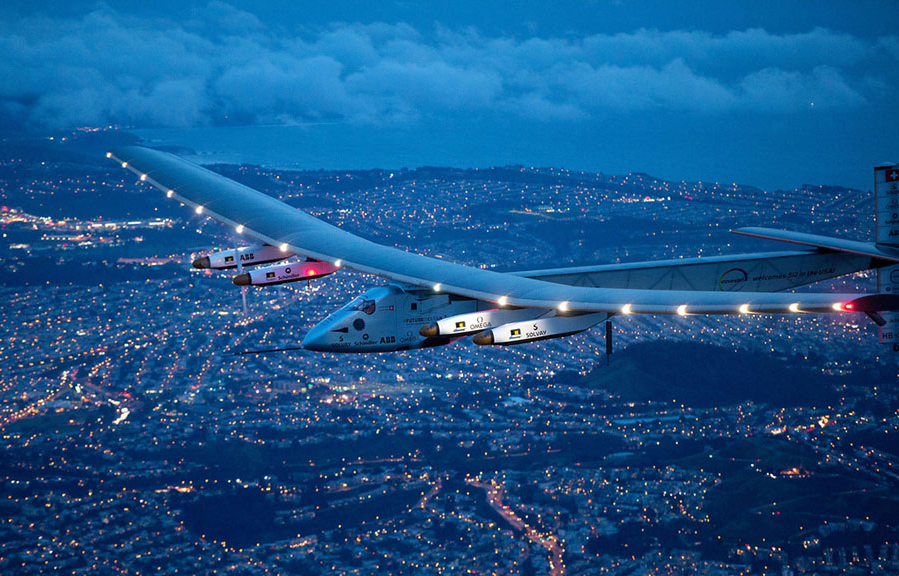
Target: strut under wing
[(274, 222)]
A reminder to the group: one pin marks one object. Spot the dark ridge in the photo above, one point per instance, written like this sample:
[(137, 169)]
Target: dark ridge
[(704, 375)]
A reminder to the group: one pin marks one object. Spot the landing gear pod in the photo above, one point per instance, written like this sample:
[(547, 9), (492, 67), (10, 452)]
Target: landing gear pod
[(464, 324), (284, 273), (249, 256), (539, 329)]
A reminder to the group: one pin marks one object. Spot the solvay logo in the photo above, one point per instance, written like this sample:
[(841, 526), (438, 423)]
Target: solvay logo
[(732, 280)]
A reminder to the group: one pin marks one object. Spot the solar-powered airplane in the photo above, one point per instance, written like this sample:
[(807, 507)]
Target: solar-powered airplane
[(431, 302)]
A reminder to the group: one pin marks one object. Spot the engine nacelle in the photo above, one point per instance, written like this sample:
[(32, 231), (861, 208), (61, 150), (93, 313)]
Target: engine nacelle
[(284, 273), (539, 329), (464, 324), (249, 256)]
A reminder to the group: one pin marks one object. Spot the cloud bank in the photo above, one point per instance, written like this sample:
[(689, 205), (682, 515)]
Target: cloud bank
[(225, 66)]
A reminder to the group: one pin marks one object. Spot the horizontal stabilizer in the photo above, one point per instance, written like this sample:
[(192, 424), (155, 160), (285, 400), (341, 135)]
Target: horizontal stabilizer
[(879, 251)]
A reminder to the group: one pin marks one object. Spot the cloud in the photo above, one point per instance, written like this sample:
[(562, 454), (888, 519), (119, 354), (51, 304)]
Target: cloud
[(282, 87), (674, 86), (224, 65), (729, 54), (774, 89)]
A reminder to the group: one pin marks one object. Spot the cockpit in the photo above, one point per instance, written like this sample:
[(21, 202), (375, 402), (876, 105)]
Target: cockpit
[(362, 305), (365, 323)]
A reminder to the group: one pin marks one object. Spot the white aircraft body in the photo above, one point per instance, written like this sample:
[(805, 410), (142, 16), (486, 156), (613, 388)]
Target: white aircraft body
[(431, 302)]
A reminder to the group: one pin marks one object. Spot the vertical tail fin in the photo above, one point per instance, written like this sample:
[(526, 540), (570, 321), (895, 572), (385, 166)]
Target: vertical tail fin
[(886, 199)]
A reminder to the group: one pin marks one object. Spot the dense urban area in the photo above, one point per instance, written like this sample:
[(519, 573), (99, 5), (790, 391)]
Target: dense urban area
[(135, 441)]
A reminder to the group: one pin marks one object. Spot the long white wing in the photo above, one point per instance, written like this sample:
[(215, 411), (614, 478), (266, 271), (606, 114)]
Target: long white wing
[(271, 221)]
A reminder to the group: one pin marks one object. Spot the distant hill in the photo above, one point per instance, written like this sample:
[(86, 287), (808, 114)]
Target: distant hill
[(703, 375)]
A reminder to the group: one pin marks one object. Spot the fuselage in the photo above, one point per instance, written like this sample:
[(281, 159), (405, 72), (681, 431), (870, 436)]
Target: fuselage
[(386, 319)]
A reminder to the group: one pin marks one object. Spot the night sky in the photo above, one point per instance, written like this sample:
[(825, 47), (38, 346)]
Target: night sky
[(773, 94)]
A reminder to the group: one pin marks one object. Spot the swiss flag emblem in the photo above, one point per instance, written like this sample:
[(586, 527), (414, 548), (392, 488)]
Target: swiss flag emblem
[(893, 175)]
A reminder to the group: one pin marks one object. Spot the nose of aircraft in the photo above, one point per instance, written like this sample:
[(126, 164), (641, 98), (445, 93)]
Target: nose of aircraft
[(316, 339)]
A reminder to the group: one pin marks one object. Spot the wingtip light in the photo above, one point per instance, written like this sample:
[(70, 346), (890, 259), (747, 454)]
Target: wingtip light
[(838, 306), (170, 193), (682, 310), (794, 307), (626, 309), (503, 300), (198, 209), (109, 154), (239, 229), (283, 247), (563, 306), (744, 308)]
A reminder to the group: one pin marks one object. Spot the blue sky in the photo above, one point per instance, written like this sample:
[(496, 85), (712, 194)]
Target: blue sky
[(767, 93)]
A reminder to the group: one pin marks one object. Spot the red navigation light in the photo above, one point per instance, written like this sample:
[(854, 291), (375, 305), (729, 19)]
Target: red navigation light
[(310, 272), (848, 306)]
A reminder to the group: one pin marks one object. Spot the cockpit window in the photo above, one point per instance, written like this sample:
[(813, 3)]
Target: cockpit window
[(362, 305)]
